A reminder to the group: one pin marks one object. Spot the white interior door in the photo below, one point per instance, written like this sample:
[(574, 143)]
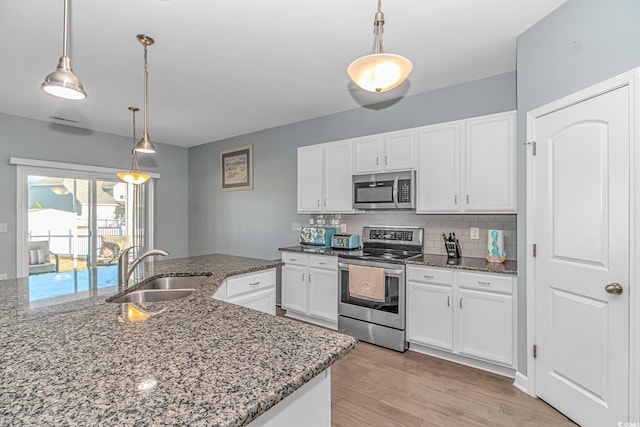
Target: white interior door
[(582, 222)]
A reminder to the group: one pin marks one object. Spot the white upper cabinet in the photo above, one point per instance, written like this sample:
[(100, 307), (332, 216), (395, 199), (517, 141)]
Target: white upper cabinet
[(367, 154), (468, 166), (385, 152), (324, 178), (439, 168), (490, 149), (338, 167), (310, 176)]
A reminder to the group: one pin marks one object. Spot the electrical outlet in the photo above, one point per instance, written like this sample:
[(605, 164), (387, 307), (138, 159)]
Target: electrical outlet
[(475, 233), (3, 276), (3, 227), (343, 228), (295, 226)]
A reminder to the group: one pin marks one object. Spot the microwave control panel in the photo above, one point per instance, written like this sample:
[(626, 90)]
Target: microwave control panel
[(404, 191)]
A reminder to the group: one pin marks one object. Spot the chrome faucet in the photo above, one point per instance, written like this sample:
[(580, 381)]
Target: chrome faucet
[(125, 270)]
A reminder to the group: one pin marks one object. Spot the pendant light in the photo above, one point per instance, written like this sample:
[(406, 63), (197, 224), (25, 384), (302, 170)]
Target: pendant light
[(379, 71), (145, 145), (62, 82), (134, 176)]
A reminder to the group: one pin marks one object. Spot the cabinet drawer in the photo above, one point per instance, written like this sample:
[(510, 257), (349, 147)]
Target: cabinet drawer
[(250, 282), (294, 258), (326, 262), (430, 275), (485, 282)]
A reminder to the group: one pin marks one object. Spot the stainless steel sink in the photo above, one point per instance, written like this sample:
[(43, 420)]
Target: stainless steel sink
[(153, 295), (175, 282)]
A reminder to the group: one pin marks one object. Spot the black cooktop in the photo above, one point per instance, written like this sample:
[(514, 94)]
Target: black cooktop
[(382, 255)]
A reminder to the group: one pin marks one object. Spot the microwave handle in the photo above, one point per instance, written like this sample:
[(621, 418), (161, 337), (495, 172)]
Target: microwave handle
[(395, 190)]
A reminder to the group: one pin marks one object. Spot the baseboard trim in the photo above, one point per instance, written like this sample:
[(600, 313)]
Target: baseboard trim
[(464, 360), (522, 383)]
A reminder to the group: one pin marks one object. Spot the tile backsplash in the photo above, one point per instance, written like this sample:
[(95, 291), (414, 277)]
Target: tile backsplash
[(434, 226)]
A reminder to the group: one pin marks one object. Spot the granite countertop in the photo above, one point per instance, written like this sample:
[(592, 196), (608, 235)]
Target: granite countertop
[(317, 250), (464, 263), (199, 362)]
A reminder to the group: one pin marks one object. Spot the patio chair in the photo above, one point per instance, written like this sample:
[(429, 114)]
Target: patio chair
[(110, 250), (40, 258)]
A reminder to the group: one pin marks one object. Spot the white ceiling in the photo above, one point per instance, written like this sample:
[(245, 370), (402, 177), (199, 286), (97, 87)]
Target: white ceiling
[(225, 68)]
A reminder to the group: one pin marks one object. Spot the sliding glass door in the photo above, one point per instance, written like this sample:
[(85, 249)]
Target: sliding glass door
[(74, 225)]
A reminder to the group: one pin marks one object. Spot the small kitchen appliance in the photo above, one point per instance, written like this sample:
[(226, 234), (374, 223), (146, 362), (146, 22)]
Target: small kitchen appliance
[(387, 190), (316, 236), (345, 241)]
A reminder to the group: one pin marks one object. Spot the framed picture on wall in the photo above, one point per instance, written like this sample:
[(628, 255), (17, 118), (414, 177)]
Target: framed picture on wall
[(236, 169)]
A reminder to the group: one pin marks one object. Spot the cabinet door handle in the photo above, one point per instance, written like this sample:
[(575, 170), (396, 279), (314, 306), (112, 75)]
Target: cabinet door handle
[(460, 302), (455, 199), (429, 277), (484, 283), (303, 277), (254, 284), (386, 160), (448, 301), (325, 202), (377, 161), (309, 277), (322, 263), (318, 202), (293, 259), (467, 199)]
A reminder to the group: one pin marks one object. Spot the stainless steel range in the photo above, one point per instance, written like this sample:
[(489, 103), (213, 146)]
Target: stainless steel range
[(372, 285)]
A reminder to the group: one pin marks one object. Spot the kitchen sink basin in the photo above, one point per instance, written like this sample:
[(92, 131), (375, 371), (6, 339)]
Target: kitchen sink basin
[(175, 282), (153, 295)]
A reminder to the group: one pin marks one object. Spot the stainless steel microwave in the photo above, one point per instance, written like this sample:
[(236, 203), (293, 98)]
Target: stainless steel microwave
[(386, 190)]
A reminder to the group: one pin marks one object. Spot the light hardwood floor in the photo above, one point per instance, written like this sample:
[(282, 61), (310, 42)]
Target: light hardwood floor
[(375, 387)]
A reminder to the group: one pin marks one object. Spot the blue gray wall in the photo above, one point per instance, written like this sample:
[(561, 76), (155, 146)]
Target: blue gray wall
[(32, 139), (255, 223), (581, 43)]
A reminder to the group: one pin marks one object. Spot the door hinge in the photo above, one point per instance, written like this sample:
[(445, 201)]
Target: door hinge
[(535, 351), (535, 250), (533, 146)]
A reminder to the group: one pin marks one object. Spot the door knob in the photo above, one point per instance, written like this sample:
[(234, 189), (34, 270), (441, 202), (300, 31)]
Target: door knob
[(614, 288)]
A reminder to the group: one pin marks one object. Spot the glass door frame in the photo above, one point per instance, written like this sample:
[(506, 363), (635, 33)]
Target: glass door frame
[(27, 167)]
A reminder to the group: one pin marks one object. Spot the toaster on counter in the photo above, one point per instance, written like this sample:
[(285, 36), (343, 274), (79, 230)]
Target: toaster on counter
[(345, 241), (316, 236)]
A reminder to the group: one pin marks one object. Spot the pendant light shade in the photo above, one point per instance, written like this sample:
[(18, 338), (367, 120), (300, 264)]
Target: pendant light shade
[(145, 145), (134, 175), (62, 82), (379, 71)]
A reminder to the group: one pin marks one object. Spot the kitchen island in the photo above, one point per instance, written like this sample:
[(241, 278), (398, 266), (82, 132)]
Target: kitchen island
[(199, 362)]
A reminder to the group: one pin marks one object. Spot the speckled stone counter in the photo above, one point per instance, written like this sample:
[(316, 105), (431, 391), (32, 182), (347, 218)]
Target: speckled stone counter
[(199, 362), (477, 264), (317, 250)]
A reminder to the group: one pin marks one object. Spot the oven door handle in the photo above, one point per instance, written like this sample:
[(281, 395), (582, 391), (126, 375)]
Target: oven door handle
[(387, 271)]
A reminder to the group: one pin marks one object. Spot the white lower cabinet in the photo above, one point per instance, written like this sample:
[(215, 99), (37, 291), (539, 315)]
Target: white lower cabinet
[(430, 315), (469, 316), (485, 329), (310, 288), (252, 290)]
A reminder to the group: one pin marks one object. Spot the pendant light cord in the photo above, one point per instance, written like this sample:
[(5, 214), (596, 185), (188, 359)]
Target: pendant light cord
[(146, 79), (134, 154), (64, 31), (378, 29)]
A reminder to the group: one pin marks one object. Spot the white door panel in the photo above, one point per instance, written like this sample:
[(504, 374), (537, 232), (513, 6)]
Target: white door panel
[(582, 236), (580, 181)]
